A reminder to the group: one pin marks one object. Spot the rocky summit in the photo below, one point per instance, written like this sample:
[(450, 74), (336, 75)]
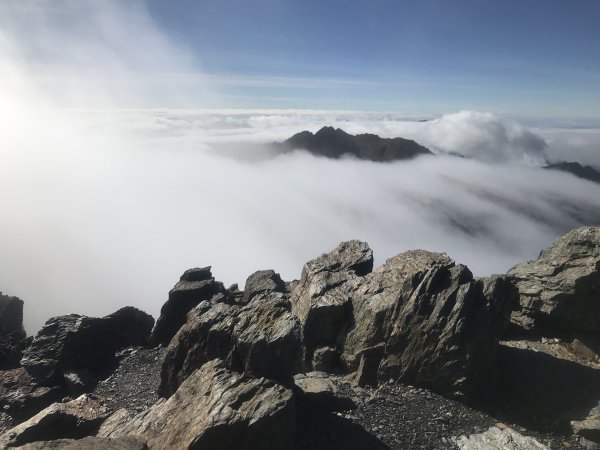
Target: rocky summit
[(416, 353), (334, 143)]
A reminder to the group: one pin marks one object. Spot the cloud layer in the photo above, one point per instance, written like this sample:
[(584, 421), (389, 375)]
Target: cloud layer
[(102, 209)]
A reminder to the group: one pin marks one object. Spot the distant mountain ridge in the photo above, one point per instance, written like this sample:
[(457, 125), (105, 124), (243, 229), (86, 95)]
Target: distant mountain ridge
[(574, 168), (334, 143)]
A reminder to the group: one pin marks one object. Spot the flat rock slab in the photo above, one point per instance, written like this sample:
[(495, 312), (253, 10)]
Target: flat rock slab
[(499, 439), (75, 419)]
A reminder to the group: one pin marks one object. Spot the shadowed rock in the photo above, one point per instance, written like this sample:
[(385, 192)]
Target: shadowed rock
[(194, 286), (12, 333), (261, 338), (83, 347)]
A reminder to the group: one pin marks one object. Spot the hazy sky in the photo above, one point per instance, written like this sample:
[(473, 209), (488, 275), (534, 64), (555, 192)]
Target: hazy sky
[(520, 57)]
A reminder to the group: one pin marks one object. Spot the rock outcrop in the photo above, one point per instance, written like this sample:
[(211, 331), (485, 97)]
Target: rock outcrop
[(499, 439), (75, 419), (194, 286), (419, 318), (335, 143), (77, 349), (12, 333), (215, 408), (21, 397), (560, 290), (259, 335)]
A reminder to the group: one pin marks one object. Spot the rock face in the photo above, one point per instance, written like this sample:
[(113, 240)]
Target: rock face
[(419, 318), (82, 348), (561, 289), (11, 331), (334, 143), (215, 408), (194, 286), (75, 419), (258, 335)]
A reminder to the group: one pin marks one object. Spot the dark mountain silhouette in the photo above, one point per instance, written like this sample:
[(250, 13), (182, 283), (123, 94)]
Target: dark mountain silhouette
[(334, 143), (585, 172)]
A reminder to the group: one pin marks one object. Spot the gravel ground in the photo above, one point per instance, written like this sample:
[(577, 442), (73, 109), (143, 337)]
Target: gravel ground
[(393, 416), (134, 384), (396, 416)]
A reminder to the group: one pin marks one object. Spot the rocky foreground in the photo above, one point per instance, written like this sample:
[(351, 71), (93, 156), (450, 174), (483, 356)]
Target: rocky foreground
[(416, 353)]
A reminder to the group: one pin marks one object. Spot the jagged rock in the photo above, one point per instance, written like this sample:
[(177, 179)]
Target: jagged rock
[(499, 439), (12, 333), (194, 286), (87, 443), (263, 282), (75, 419), (561, 289), (215, 408), (323, 309), (419, 318), (321, 391), (84, 346), (261, 338), (334, 143), (21, 397)]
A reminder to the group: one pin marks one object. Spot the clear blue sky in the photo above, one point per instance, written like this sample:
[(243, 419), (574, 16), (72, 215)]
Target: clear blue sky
[(516, 56)]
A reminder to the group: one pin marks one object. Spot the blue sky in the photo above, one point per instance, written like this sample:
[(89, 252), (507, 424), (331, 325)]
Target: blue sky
[(515, 56), (536, 58)]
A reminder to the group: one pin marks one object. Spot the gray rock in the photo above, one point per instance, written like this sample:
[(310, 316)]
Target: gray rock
[(419, 318), (194, 286), (87, 443), (263, 282), (21, 397), (559, 290), (320, 299), (261, 338), (74, 343), (12, 333), (215, 408), (497, 439), (75, 419)]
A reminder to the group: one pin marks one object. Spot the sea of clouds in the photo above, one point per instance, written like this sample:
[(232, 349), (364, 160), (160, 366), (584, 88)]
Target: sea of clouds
[(102, 208)]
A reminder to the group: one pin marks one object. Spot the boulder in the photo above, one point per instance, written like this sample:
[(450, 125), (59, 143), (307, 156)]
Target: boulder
[(215, 408), (322, 391), (320, 299), (87, 443), (83, 348), (419, 318), (260, 338), (560, 291), (12, 333), (194, 286), (75, 419)]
